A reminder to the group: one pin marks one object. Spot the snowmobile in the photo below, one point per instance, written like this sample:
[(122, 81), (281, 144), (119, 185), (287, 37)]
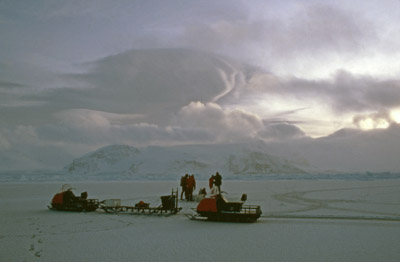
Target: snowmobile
[(217, 208), (67, 201)]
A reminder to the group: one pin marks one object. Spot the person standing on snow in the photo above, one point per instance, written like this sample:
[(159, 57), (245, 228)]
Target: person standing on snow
[(218, 181), (191, 185), (211, 181), (184, 185)]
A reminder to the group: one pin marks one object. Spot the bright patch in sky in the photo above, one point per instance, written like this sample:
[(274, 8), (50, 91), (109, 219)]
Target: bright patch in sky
[(395, 115), (369, 123)]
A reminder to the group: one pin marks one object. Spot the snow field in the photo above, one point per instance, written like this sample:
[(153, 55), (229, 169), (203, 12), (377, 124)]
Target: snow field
[(30, 232)]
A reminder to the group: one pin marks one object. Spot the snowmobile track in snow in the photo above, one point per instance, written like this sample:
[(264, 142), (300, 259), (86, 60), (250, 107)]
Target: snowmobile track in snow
[(307, 204), (333, 217)]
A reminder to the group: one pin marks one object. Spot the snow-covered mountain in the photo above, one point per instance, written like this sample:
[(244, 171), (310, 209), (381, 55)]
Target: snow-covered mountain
[(169, 162), (114, 158)]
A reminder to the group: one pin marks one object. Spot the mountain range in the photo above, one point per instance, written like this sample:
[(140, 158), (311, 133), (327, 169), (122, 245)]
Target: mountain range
[(232, 160)]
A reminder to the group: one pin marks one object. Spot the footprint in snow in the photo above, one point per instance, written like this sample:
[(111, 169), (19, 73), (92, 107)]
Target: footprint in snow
[(38, 253)]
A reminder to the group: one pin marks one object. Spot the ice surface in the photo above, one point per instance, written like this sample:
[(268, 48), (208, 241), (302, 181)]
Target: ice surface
[(62, 176), (31, 232)]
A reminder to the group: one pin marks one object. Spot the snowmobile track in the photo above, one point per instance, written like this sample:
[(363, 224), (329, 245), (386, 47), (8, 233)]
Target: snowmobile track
[(332, 217)]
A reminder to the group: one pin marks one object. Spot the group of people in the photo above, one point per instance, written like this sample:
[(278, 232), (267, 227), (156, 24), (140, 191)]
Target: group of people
[(188, 184)]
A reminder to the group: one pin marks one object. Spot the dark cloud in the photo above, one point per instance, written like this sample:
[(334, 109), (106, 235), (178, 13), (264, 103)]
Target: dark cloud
[(351, 93), (157, 82), (313, 31), (152, 82), (280, 131), (322, 27), (10, 85), (289, 112)]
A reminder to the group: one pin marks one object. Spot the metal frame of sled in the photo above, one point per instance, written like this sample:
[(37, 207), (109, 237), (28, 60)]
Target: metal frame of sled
[(169, 206)]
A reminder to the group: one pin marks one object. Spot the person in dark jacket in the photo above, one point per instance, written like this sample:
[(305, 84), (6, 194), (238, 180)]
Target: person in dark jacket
[(184, 185), (218, 181)]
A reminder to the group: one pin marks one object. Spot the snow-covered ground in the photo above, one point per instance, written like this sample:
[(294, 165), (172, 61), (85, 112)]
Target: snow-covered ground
[(303, 220)]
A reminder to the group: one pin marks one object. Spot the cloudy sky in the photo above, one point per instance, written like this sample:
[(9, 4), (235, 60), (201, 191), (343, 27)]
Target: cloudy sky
[(78, 75)]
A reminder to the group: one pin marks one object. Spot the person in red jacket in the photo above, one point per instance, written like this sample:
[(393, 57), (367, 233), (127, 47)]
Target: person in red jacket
[(211, 181), (191, 185)]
